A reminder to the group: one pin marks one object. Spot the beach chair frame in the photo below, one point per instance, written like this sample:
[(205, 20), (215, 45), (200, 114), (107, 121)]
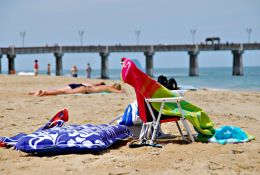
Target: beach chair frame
[(149, 129)]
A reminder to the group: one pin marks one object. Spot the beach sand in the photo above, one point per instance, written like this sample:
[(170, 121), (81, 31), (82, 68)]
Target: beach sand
[(24, 113)]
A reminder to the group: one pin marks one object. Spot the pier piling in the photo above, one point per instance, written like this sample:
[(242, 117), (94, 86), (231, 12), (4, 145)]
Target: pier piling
[(238, 63), (58, 57), (149, 63), (194, 66), (104, 65), (11, 67), (1, 63)]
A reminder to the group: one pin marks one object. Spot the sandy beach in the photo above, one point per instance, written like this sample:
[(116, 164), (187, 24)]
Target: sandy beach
[(24, 113)]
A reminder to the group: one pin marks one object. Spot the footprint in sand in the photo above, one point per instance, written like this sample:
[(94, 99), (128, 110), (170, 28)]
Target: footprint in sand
[(237, 151), (215, 166)]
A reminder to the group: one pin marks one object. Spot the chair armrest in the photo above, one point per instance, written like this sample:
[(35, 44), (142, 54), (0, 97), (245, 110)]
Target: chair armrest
[(170, 99)]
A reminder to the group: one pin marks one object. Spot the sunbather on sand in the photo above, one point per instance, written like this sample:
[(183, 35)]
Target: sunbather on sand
[(83, 88)]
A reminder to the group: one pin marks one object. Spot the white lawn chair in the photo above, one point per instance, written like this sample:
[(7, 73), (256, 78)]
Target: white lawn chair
[(150, 130)]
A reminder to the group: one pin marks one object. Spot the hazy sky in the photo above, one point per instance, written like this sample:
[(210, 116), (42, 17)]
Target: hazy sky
[(109, 22)]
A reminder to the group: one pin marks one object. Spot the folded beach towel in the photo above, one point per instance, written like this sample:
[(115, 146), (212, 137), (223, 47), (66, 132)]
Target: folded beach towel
[(72, 139), (230, 134), (147, 87), (10, 141), (53, 138), (57, 121)]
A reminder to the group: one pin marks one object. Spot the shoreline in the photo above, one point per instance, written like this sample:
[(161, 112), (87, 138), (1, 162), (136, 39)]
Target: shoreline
[(231, 90), (256, 89)]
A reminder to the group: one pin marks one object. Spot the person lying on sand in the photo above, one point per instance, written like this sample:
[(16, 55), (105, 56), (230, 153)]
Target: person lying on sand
[(83, 88)]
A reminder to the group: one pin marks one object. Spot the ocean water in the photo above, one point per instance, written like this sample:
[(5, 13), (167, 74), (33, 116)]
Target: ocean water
[(217, 77), (220, 78)]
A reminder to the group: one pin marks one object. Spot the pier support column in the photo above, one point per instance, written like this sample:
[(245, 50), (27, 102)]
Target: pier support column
[(238, 68), (58, 57), (0, 64), (149, 63), (11, 68), (194, 66), (104, 65)]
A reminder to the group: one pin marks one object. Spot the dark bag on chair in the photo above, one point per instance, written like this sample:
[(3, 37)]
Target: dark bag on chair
[(163, 80), (170, 84)]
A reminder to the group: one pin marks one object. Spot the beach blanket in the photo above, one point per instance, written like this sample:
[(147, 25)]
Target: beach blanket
[(53, 138), (230, 134), (146, 87), (84, 94)]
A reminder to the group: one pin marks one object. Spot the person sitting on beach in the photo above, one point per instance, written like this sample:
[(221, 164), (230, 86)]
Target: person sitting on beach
[(83, 88)]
